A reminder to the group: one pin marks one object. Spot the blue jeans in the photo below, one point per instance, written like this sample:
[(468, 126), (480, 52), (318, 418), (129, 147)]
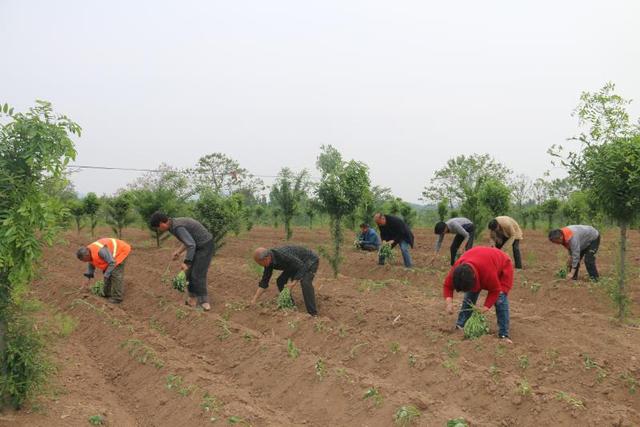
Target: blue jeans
[(406, 257), (502, 311)]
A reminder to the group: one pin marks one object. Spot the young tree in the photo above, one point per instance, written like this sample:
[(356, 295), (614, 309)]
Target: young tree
[(409, 215), (288, 192), (219, 215), (119, 215), (223, 175), (550, 208), (576, 207), (35, 148), (311, 210), (443, 209), (91, 207), (76, 208), (495, 197), (340, 191)]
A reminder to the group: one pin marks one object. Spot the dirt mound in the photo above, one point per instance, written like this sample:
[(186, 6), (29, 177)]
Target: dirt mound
[(382, 341)]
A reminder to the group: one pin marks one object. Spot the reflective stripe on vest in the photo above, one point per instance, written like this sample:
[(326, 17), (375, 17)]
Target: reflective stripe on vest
[(115, 246)]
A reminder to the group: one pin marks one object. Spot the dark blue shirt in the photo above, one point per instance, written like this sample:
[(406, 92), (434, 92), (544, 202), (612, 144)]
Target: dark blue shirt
[(370, 237)]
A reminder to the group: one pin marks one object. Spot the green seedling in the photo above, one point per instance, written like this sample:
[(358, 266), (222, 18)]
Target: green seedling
[(494, 372), (630, 381), (374, 394), (562, 273), (210, 404), (451, 349), (292, 324), (523, 387), (292, 350), (142, 353), (96, 420), (406, 415), (576, 403), (588, 362), (321, 369), (553, 355), (65, 324), (173, 382), (457, 422), (180, 314), (247, 337), (285, 302), (535, 287), (412, 360), (180, 282), (371, 286), (342, 331), (319, 326), (394, 347), (523, 361), (238, 420), (386, 251), (98, 288), (476, 326)]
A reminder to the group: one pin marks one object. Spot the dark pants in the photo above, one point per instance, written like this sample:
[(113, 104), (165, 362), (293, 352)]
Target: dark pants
[(589, 255), (406, 256), (517, 257), (306, 283), (458, 239), (114, 284), (368, 247), (197, 273)]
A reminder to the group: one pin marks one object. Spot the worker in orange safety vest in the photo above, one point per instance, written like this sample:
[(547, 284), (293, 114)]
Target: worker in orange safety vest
[(108, 255)]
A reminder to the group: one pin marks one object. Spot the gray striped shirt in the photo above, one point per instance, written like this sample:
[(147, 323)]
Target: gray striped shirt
[(191, 233)]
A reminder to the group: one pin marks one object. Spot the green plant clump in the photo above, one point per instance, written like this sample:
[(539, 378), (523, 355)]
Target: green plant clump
[(386, 251), (457, 422), (562, 273), (476, 326), (285, 302), (98, 288), (406, 415), (96, 420), (180, 282)]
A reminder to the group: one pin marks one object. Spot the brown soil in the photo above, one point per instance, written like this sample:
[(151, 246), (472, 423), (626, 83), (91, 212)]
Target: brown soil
[(150, 360)]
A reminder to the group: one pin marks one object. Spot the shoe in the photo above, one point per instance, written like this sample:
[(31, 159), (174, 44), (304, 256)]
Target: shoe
[(114, 301), (205, 306)]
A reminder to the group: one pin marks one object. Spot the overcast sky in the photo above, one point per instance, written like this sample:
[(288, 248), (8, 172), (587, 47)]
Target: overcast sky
[(402, 86)]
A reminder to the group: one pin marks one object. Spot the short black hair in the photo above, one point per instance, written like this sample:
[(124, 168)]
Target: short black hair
[(463, 278), (439, 228), (493, 224), (555, 234), (82, 252), (364, 225), (157, 218)]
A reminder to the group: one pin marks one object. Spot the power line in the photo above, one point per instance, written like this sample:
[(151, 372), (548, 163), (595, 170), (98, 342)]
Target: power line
[(142, 170)]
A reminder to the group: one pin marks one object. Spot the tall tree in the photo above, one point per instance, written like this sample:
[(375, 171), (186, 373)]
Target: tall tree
[(92, 207), (495, 196), (76, 208), (119, 213), (223, 175), (287, 192)]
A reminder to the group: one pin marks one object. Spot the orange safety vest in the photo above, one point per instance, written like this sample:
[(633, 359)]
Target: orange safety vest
[(119, 250), (567, 234)]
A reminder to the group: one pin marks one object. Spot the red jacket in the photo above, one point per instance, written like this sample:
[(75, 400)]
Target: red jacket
[(493, 270)]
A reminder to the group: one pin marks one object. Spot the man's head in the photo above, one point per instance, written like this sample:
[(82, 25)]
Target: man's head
[(84, 254), (364, 227), (464, 277), (262, 256), (160, 221), (380, 219), (440, 228), (556, 236), (493, 224)]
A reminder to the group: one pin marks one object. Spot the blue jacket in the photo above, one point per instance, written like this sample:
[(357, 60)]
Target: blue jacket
[(370, 237)]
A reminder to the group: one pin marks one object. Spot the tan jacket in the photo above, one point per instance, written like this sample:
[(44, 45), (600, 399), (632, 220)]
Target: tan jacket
[(510, 229)]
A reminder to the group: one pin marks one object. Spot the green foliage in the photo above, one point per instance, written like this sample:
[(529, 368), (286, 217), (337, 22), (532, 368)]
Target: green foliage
[(406, 415), (96, 420), (550, 208), (576, 208), (386, 251), (342, 188), (443, 209), (374, 394), (97, 288), (221, 175), (91, 207), (476, 326), (285, 302), (288, 192), (35, 148), (292, 350), (180, 282), (119, 213), (76, 209), (562, 273), (219, 214), (457, 422), (495, 196)]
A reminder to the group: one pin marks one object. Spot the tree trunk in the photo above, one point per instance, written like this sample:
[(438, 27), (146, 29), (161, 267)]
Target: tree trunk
[(621, 270), (157, 238), (5, 295), (287, 228)]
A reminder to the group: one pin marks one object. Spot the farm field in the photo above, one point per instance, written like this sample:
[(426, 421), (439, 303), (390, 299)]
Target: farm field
[(382, 340)]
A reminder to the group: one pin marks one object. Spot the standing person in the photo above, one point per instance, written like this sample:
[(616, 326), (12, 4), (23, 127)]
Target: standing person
[(477, 269), (582, 241), (368, 240), (395, 231), (198, 244), (505, 232), (298, 264), (462, 227), (108, 255)]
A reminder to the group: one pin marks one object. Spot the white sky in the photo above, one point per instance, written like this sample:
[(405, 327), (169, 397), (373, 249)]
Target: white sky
[(402, 86)]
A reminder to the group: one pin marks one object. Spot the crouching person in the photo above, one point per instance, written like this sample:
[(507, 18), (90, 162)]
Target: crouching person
[(478, 269), (368, 240), (298, 264), (108, 255)]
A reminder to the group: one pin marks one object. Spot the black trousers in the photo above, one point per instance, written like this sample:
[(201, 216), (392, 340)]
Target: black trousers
[(197, 273), (589, 255), (517, 257), (458, 239), (368, 247), (306, 283)]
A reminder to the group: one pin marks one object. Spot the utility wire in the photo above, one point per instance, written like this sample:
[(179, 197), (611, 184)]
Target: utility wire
[(142, 170)]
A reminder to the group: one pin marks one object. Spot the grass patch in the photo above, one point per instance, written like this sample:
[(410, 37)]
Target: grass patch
[(406, 415)]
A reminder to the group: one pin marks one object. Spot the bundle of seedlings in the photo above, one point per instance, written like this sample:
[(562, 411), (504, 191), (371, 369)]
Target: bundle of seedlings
[(98, 288), (180, 282), (386, 251), (285, 302), (477, 325)]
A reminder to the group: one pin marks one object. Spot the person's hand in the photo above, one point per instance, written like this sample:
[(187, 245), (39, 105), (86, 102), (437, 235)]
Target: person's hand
[(253, 301), (292, 284), (484, 309), (176, 255), (86, 284), (449, 306), (184, 267)]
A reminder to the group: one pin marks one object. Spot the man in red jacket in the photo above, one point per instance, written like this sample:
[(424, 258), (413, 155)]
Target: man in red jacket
[(477, 269)]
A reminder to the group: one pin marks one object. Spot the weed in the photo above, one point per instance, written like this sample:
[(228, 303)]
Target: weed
[(412, 360), (523, 387), (238, 420), (292, 350), (285, 302), (342, 331), (588, 362), (142, 353), (494, 372), (180, 314), (210, 404), (451, 365), (321, 369), (98, 288), (602, 374), (96, 420), (180, 282), (319, 326), (173, 382), (523, 361), (65, 324), (157, 326), (374, 394), (247, 337), (576, 403), (451, 350), (236, 306), (225, 332), (457, 422), (394, 347), (406, 415), (371, 285), (562, 273), (535, 287), (292, 324), (630, 381)]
